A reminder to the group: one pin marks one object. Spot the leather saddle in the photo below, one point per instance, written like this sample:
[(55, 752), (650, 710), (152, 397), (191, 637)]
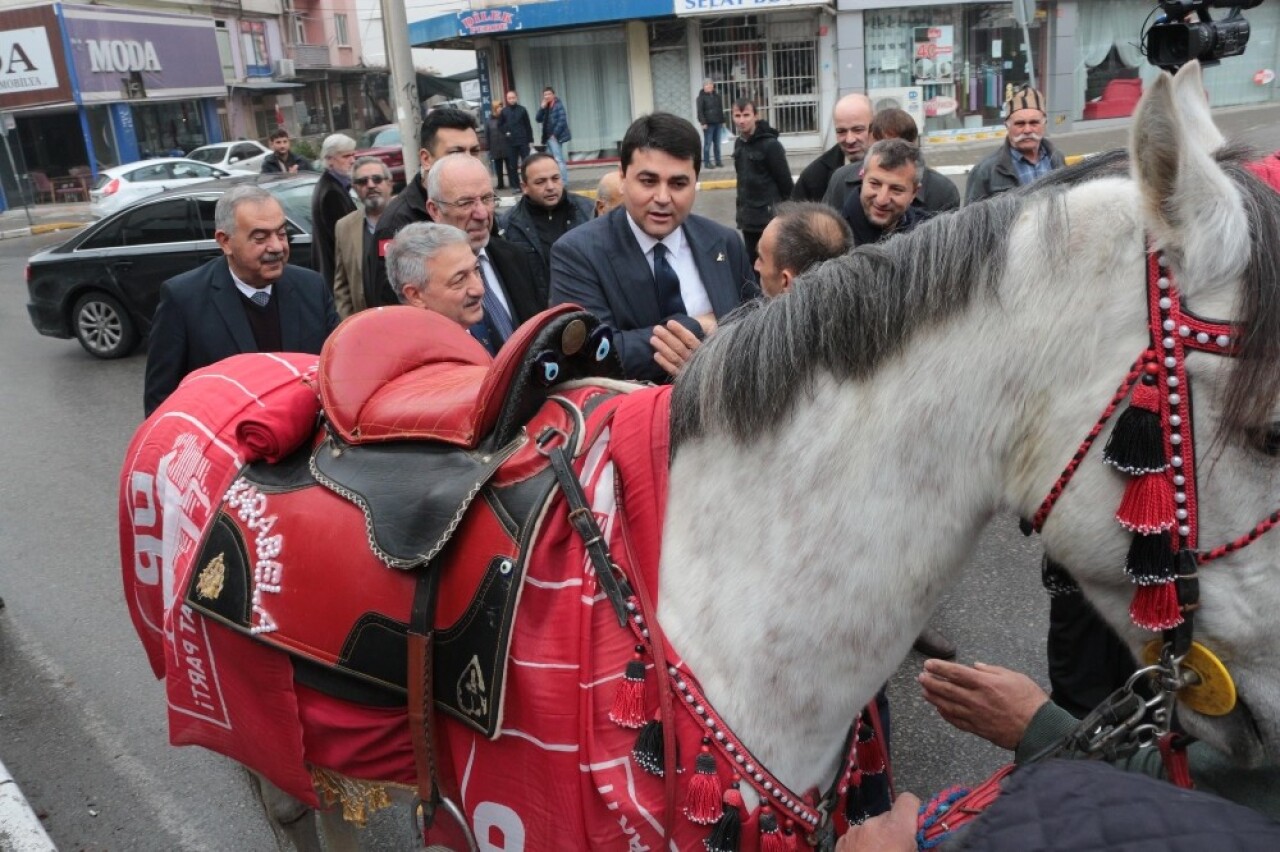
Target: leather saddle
[(427, 462)]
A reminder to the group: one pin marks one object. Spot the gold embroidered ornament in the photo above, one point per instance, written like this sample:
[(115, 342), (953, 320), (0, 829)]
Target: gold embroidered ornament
[(212, 576)]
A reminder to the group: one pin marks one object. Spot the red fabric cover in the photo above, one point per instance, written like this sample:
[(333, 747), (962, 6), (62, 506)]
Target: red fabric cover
[(276, 431), (1119, 100), (224, 691), (401, 372), (1268, 170)]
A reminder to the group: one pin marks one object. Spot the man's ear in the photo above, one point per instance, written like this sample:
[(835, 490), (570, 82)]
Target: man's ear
[(224, 241), (787, 277), (433, 210), (424, 160)]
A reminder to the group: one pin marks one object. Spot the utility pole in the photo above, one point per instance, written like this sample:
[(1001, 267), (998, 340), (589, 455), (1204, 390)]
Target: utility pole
[(1024, 11), (404, 81)]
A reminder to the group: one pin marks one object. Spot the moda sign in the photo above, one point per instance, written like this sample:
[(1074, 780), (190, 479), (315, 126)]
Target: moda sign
[(26, 62), (116, 55)]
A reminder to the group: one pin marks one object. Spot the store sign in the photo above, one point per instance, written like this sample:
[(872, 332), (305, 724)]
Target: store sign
[(498, 19), (26, 61), (708, 7), (934, 55), (122, 54)]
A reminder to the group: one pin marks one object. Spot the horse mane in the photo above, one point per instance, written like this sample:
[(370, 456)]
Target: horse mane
[(847, 316)]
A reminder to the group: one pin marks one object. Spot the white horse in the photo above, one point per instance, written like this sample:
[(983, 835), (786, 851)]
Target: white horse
[(836, 451)]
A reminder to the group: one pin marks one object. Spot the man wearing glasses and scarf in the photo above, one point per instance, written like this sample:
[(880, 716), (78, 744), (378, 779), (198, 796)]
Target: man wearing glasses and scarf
[(353, 235)]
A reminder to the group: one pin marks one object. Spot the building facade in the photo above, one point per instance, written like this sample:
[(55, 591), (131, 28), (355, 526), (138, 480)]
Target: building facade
[(610, 62)]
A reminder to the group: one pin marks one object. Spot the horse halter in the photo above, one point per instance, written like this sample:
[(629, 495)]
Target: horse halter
[(1153, 442)]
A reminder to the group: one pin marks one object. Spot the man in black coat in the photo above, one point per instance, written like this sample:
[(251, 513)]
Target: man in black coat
[(459, 194), (883, 207), (249, 300), (514, 123), (545, 211), (282, 160), (331, 200), (711, 117), (851, 118), (764, 176), (444, 131)]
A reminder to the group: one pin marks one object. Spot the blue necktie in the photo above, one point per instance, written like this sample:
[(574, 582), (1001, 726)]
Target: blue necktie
[(494, 312), (260, 298), (666, 282)]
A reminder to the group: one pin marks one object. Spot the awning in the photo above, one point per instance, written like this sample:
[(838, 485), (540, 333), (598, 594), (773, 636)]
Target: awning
[(263, 84)]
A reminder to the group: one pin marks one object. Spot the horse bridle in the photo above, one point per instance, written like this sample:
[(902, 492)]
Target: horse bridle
[(1168, 595)]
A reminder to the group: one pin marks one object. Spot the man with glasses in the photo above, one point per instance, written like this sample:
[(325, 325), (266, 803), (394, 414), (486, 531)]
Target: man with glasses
[(1026, 154), (331, 200), (459, 194), (353, 235)]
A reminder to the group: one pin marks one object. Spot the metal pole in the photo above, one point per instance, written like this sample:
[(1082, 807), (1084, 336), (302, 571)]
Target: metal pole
[(26, 191), (404, 81), (1024, 10)]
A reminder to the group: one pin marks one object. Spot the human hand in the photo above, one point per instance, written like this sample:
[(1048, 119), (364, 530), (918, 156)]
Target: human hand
[(293, 170), (891, 832), (993, 702), (708, 323), (673, 345)]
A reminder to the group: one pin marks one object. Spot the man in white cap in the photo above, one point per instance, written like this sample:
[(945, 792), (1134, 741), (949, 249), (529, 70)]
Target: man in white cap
[(1025, 156)]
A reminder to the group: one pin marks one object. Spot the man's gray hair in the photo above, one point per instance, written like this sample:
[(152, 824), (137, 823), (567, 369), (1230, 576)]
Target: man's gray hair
[(224, 212), (809, 233), (413, 248), (438, 168), (893, 154), (367, 161), (335, 144)]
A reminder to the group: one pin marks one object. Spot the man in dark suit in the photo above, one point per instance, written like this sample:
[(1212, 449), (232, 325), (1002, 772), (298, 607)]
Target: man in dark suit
[(650, 262), (251, 300), (459, 194), (331, 199)]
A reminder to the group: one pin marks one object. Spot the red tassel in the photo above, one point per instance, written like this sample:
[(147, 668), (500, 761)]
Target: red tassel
[(771, 837), (703, 804), (1155, 607), (869, 753), (1147, 506), (628, 701)]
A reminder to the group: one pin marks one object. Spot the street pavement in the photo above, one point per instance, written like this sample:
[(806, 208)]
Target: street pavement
[(82, 720)]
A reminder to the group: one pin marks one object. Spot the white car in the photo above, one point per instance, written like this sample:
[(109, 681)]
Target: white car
[(243, 155), (120, 186)]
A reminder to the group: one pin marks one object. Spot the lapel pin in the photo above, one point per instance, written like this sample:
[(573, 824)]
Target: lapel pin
[(720, 257)]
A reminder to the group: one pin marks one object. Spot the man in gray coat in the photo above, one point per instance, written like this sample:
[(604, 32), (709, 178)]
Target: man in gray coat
[(1025, 155)]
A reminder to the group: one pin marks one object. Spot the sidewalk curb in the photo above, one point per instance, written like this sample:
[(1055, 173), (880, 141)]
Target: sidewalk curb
[(42, 228), (20, 828)]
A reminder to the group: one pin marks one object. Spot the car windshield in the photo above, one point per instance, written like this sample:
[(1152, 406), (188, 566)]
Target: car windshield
[(296, 201), (207, 155), (381, 138)]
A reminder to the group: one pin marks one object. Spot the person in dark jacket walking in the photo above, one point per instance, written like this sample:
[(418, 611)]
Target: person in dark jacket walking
[(1025, 155), (555, 129), (499, 150), (282, 160), (514, 124), (764, 177), (711, 117), (331, 200), (545, 211)]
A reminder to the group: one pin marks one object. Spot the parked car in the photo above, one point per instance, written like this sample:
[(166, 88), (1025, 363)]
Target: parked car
[(383, 142), (102, 286), (244, 155), (120, 186)]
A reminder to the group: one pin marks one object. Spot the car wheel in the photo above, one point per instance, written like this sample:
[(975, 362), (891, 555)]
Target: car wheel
[(102, 326)]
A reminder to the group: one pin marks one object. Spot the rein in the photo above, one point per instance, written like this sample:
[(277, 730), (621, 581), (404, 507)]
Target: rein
[(1153, 442)]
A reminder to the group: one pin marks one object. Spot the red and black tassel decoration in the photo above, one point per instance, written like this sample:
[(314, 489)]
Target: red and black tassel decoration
[(870, 755), (649, 750), (727, 835), (772, 837), (628, 701), (1151, 559), (1136, 445), (1155, 607), (855, 811), (1148, 505), (704, 799), (874, 792)]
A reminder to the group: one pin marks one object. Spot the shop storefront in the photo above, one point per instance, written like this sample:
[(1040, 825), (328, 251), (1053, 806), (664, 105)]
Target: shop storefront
[(130, 85)]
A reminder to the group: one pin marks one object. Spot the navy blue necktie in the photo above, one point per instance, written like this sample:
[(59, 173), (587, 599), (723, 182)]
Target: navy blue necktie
[(494, 312), (666, 282)]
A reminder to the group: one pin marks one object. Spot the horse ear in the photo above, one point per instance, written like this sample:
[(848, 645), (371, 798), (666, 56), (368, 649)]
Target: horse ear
[(1191, 208)]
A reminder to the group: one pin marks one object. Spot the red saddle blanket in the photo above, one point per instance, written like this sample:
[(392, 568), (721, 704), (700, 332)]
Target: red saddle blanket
[(559, 774)]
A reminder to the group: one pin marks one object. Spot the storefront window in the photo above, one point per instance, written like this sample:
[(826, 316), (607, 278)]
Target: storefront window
[(950, 66), (588, 70), (774, 63), (168, 129), (104, 136), (1108, 50), (253, 48)]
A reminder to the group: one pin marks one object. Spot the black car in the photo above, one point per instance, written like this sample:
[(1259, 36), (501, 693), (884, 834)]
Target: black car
[(102, 285)]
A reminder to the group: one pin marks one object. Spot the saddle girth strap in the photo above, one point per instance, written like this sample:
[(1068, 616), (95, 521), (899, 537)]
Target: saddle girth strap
[(419, 680)]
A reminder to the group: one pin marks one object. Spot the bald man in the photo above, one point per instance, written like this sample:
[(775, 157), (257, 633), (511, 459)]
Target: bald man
[(851, 117), (608, 192)]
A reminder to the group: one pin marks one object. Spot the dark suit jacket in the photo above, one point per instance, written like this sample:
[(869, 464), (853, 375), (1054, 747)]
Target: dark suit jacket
[(329, 202), (522, 280), (599, 266), (813, 181), (201, 320)]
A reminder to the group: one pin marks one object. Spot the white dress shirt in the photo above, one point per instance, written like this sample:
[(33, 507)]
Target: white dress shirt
[(680, 256), (245, 289), (492, 283)]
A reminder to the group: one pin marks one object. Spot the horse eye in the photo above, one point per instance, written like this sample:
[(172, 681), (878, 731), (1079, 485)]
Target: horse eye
[(1271, 440)]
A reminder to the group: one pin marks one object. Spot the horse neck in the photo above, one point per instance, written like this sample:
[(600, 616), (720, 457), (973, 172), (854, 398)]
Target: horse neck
[(797, 570)]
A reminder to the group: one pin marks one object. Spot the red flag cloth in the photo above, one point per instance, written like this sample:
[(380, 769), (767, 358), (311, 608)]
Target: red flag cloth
[(1268, 170), (277, 431)]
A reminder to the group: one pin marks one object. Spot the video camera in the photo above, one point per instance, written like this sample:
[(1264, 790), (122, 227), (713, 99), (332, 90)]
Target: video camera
[(1173, 41)]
